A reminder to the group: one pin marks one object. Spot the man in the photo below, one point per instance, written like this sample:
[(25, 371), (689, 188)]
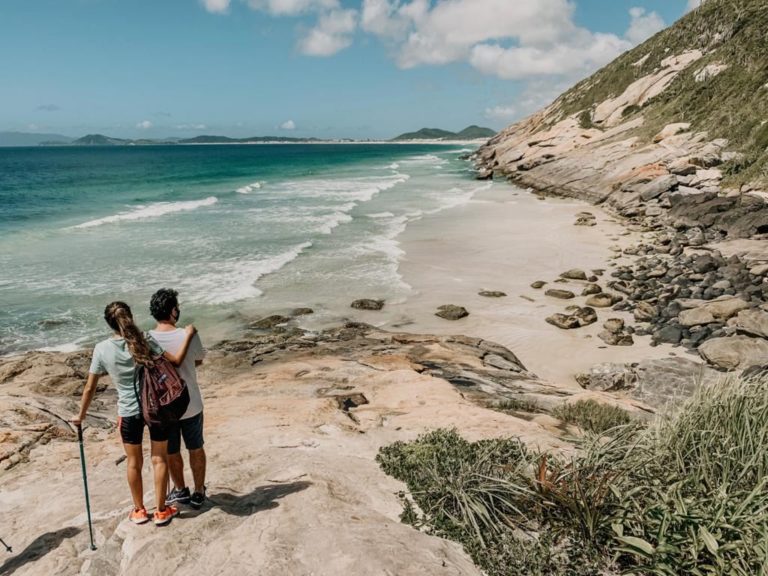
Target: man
[(164, 307)]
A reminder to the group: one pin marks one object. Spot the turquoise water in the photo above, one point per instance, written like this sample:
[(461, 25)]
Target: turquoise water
[(238, 230)]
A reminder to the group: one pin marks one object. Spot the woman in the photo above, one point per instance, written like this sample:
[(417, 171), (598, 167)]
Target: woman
[(118, 357)]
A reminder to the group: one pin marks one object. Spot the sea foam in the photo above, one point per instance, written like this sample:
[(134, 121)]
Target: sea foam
[(154, 210), (235, 280)]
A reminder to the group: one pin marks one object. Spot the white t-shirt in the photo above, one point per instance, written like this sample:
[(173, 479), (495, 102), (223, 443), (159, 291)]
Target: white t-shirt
[(172, 342)]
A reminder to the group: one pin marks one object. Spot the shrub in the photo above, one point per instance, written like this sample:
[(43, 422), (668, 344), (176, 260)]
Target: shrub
[(592, 416), (687, 495)]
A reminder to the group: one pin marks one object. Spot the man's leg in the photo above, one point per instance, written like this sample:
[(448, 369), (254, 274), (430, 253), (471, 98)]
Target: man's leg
[(160, 466), (176, 468), (197, 462), (175, 460)]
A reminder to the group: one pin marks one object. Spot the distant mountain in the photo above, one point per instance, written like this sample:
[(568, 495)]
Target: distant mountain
[(100, 140), (469, 133), (475, 133), (30, 139), (252, 139)]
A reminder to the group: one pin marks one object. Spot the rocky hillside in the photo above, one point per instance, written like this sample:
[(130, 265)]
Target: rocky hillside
[(673, 136), (692, 98)]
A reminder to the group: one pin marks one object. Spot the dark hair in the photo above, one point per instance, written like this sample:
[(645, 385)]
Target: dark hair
[(118, 316), (162, 304)]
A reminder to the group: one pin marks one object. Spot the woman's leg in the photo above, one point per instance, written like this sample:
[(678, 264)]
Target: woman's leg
[(135, 460), (160, 466)]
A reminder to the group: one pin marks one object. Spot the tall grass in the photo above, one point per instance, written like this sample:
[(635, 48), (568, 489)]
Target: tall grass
[(686, 495)]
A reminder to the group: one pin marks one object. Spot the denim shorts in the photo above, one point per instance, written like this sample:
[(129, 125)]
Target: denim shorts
[(191, 429)]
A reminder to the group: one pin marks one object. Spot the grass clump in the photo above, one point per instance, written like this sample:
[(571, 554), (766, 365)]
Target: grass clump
[(517, 405), (686, 495), (592, 416)]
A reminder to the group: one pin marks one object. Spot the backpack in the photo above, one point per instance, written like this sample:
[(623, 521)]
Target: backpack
[(161, 392)]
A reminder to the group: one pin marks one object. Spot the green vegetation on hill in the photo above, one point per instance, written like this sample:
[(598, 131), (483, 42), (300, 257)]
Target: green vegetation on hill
[(685, 495), (469, 133), (731, 105), (475, 132)]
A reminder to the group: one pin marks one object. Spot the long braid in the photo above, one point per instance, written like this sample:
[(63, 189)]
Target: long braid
[(118, 316)]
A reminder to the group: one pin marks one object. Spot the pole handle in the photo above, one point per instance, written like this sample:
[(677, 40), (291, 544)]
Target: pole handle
[(80, 432)]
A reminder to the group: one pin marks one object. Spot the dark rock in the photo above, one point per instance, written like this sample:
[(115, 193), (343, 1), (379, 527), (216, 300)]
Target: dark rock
[(451, 312), (302, 311), (591, 289), (603, 300), (620, 339), (492, 294), (614, 325), (367, 304), (561, 294), (563, 321), (538, 284), (574, 274), (669, 334)]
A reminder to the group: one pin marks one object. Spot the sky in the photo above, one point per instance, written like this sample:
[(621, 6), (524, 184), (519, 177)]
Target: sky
[(323, 68)]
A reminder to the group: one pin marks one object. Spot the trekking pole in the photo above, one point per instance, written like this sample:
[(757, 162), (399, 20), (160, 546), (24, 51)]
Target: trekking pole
[(7, 548), (85, 482)]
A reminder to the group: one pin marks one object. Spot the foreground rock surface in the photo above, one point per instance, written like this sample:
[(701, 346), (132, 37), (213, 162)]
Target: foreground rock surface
[(293, 421)]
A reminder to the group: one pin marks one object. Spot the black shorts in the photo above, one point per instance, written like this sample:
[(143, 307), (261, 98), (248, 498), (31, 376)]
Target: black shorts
[(132, 430), (192, 431)]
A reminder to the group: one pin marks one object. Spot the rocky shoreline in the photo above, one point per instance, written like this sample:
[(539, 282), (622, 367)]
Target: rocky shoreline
[(699, 279)]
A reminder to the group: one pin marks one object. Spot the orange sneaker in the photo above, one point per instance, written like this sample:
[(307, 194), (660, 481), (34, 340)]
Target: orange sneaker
[(139, 516), (164, 517)]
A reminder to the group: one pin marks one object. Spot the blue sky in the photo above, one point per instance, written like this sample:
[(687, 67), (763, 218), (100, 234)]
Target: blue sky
[(325, 68)]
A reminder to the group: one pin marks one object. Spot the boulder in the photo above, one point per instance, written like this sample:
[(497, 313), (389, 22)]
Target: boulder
[(725, 307), (563, 321), (577, 318), (603, 300), (451, 312), (367, 304), (754, 322), (574, 274), (620, 339), (561, 294), (302, 311), (669, 334), (696, 317), (645, 312), (657, 187), (614, 325), (657, 383), (682, 167), (591, 289), (735, 352), (538, 284), (585, 315)]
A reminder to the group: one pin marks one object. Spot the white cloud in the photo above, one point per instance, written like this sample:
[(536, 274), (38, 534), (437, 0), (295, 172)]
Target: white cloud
[(693, 4), (512, 40), (292, 7), (643, 25), (576, 57), (332, 33), (288, 125), (190, 127), (144, 125), (216, 6)]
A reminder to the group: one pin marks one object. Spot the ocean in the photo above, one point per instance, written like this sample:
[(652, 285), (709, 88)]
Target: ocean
[(240, 231)]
